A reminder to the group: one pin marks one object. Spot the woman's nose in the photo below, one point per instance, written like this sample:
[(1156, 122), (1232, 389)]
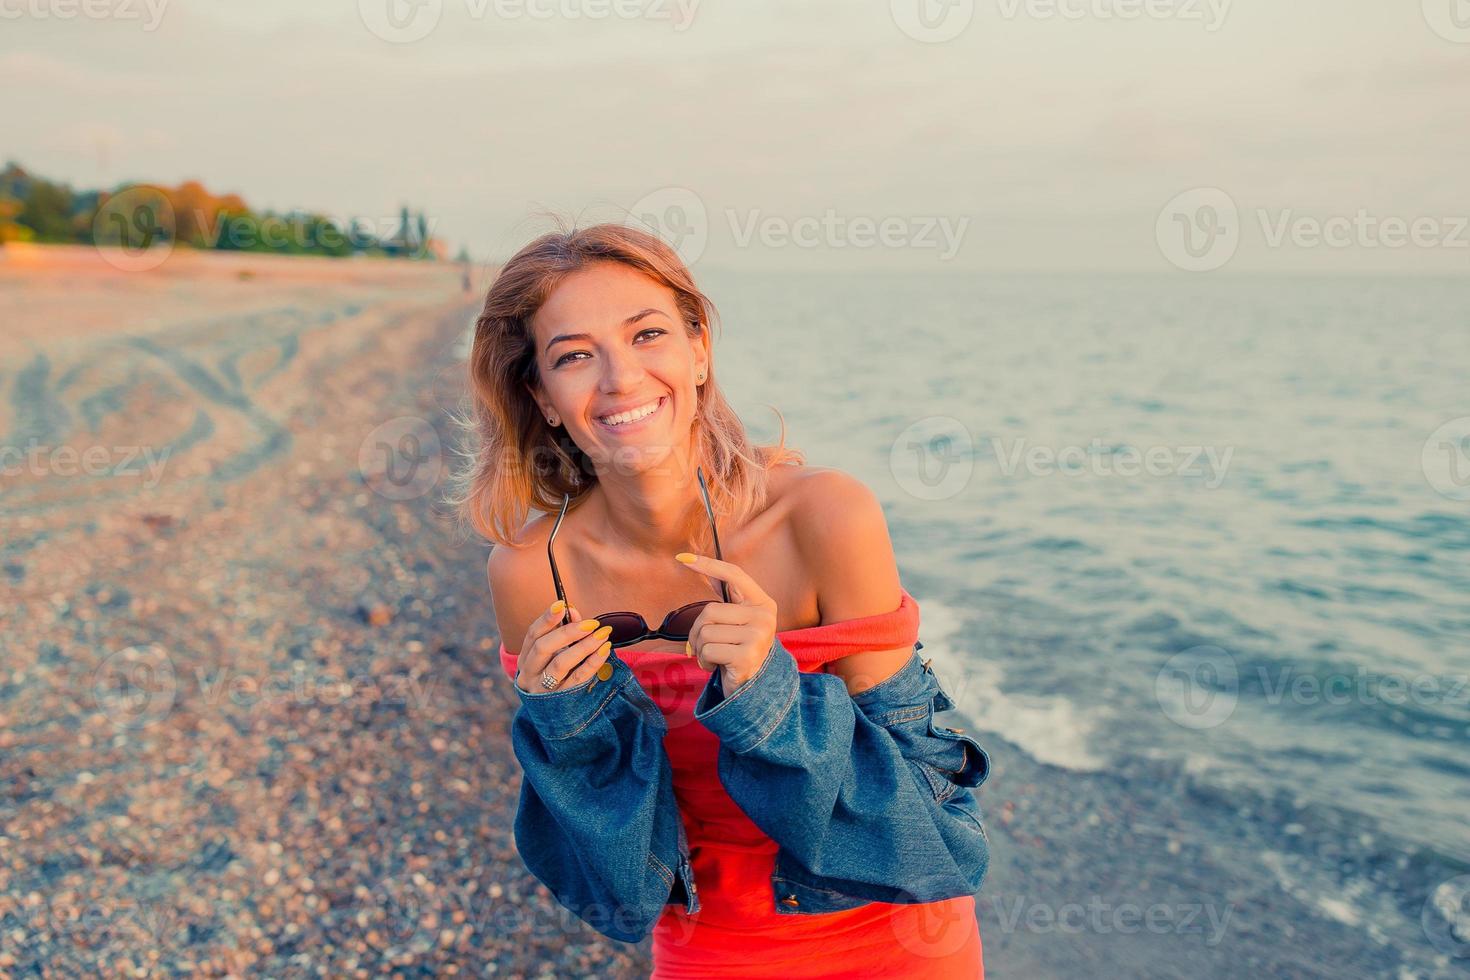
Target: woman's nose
[(621, 371)]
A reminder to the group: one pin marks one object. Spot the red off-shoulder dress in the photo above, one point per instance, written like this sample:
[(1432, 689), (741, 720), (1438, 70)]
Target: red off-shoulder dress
[(737, 931)]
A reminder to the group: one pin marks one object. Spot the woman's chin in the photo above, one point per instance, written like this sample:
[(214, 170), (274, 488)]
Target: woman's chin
[(635, 459)]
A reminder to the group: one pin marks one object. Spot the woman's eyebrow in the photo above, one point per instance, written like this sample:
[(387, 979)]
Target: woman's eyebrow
[(641, 314), (559, 338)]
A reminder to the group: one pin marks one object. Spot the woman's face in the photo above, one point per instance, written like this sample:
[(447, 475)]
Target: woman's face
[(617, 365)]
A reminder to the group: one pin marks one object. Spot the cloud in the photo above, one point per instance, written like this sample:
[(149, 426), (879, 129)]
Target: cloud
[(66, 76), (1056, 131)]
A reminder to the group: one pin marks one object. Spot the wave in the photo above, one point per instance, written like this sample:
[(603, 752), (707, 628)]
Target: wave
[(1053, 730)]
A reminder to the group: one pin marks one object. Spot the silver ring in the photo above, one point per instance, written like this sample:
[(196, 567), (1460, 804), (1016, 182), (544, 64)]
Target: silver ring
[(548, 682)]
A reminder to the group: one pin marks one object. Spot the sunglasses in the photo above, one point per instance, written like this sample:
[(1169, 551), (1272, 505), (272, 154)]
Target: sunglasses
[(630, 627)]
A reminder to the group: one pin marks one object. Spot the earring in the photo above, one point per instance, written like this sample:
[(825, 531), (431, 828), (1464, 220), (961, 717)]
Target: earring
[(551, 419), (700, 379)]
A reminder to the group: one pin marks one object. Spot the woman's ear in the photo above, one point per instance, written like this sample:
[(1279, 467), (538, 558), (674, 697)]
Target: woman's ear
[(702, 355), (542, 405)]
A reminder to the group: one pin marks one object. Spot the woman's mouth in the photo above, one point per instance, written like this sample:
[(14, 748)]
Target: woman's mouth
[(635, 419)]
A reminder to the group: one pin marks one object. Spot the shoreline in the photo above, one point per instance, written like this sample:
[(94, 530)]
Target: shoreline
[(1147, 871), (254, 722)]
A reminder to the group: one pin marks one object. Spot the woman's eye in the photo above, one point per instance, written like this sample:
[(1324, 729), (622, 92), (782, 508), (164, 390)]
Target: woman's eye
[(570, 355)]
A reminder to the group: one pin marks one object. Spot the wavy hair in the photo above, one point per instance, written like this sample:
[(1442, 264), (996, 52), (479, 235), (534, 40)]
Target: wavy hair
[(515, 462)]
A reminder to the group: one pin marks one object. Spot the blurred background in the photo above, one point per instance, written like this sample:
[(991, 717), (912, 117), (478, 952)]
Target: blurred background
[(1146, 319)]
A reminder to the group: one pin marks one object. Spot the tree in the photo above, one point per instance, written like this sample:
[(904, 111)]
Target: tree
[(10, 229), (199, 213), (47, 212), (140, 215)]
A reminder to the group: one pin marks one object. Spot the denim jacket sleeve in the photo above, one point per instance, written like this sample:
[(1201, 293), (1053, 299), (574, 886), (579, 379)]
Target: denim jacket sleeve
[(866, 795), (597, 821)]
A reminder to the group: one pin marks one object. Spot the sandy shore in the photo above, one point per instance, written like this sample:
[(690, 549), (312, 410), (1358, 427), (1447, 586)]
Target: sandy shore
[(250, 718)]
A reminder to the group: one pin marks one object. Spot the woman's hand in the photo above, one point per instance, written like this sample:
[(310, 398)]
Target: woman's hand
[(571, 653), (734, 636)]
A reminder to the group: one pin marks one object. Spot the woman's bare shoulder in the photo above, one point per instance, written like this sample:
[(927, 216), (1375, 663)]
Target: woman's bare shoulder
[(519, 579), (842, 534), (812, 501), (790, 486), (826, 495)]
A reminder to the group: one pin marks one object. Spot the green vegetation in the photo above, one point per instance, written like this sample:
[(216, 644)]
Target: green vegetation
[(136, 216)]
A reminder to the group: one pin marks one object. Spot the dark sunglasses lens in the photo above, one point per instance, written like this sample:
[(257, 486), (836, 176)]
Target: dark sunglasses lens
[(679, 622), (626, 627)]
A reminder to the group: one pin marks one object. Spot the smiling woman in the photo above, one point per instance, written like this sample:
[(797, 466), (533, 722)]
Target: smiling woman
[(609, 319), (772, 795), (625, 419)]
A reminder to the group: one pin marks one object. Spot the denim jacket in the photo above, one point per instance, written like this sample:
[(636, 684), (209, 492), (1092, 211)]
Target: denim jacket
[(866, 799)]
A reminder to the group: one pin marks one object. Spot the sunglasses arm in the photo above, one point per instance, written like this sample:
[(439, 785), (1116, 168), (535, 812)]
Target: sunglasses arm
[(561, 593)]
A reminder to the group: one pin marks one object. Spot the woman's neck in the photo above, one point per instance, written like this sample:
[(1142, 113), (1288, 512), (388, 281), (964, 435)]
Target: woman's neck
[(651, 514)]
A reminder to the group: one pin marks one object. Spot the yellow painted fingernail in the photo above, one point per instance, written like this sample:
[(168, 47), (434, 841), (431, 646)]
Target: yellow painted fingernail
[(685, 557), (688, 650), (558, 606), (588, 625), (603, 633), (605, 672), (601, 650)]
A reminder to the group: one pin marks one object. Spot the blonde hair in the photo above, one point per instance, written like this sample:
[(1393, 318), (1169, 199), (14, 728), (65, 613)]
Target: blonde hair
[(515, 462)]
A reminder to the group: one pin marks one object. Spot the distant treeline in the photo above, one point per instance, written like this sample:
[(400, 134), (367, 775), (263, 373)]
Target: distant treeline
[(137, 216)]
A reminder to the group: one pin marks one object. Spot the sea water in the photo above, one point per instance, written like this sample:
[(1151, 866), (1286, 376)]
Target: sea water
[(1187, 518)]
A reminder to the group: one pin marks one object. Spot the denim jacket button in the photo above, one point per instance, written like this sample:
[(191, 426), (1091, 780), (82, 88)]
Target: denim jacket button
[(790, 900)]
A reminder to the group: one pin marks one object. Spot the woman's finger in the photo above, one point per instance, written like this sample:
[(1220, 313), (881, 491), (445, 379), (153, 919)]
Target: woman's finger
[(565, 660), (720, 633), (723, 613), (558, 639), (546, 636), (713, 656), (530, 657), (743, 588), (561, 663), (551, 618), (546, 622), (587, 668), (726, 613)]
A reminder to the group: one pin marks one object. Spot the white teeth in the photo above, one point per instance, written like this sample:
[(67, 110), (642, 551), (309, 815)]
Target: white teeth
[(622, 418)]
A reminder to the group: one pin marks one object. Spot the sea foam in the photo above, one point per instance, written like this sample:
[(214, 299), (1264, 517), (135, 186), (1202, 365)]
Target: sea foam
[(1053, 729)]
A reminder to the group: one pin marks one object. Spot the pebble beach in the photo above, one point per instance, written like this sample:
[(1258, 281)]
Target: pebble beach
[(251, 721)]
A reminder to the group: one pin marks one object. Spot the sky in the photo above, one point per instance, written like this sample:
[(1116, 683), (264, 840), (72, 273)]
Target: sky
[(1172, 136)]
